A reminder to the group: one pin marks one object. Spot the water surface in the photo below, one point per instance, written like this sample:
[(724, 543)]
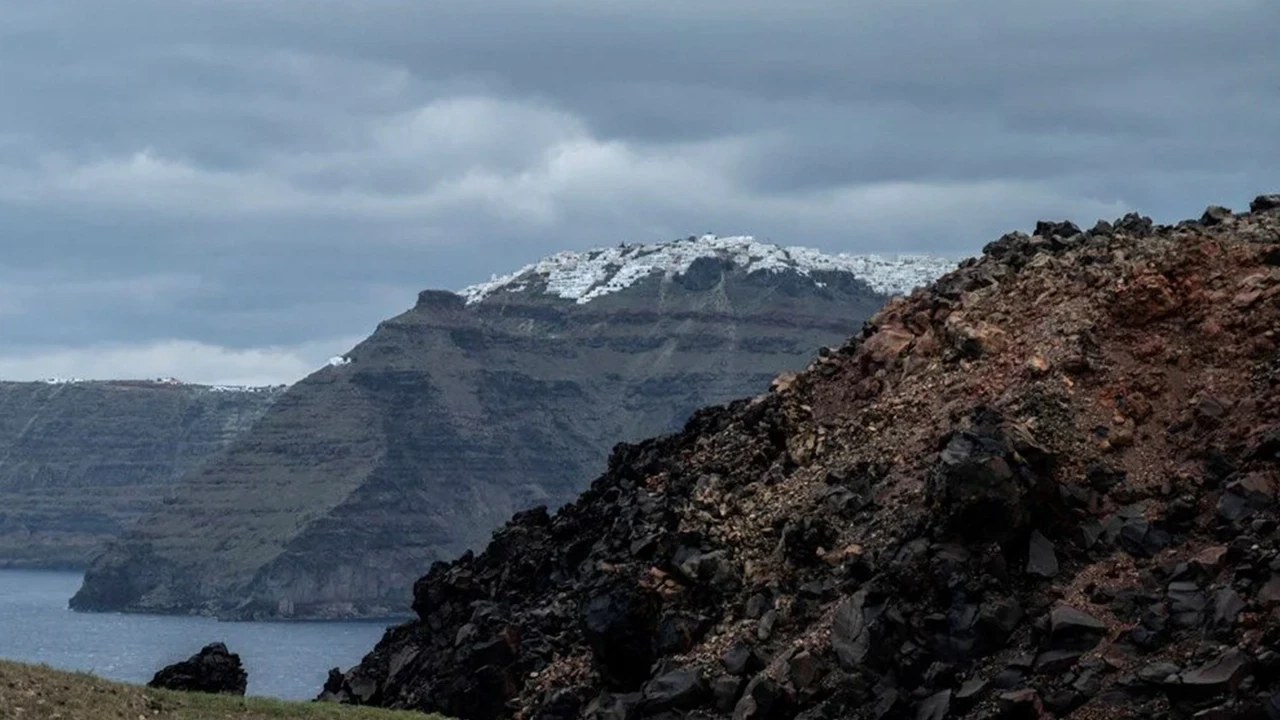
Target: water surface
[(284, 660)]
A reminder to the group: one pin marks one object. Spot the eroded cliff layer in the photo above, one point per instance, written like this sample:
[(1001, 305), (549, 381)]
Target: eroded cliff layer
[(470, 407), (79, 461), (1044, 486)]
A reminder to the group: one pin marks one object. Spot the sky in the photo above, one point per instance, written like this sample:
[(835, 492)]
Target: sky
[(232, 191)]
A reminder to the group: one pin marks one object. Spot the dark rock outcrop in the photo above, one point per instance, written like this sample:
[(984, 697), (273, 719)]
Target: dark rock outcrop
[(1265, 203), (80, 461), (456, 414), (213, 670), (1093, 405)]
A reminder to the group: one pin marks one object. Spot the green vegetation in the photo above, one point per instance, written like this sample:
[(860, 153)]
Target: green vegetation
[(30, 692)]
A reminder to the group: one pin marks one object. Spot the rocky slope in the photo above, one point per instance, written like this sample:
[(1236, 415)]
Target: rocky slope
[(81, 460), (470, 407), (1045, 486)]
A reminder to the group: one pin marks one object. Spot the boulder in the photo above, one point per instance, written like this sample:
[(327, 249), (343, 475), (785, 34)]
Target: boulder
[(334, 687), (714, 569), (1221, 675), (1135, 224), (1267, 444), (681, 689), (1071, 629), (997, 619), (619, 626), (850, 637), (213, 670), (890, 704), (1056, 661), (741, 659), (969, 694), (935, 707), (1021, 705), (887, 344), (1007, 245), (802, 539), (1159, 673), (763, 699), (1265, 203), (1209, 561), (1227, 606), (1186, 603), (804, 670), (985, 478), (1061, 230), (757, 606), (1041, 560), (725, 691), (1139, 538), (1269, 593), (610, 706), (1215, 215)]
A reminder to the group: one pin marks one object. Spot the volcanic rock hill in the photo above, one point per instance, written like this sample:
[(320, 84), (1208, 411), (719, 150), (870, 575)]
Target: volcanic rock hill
[(81, 460), (1044, 486), (470, 407)]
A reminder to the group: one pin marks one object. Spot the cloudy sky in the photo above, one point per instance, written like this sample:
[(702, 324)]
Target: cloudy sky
[(234, 190)]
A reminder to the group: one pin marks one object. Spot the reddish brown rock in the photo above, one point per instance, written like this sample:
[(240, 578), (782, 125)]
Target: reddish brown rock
[(887, 344), (1092, 541)]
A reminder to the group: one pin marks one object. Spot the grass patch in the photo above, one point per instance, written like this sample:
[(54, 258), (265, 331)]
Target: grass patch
[(33, 692)]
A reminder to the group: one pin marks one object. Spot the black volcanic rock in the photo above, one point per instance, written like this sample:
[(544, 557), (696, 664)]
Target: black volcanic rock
[(1265, 203), (1072, 629), (922, 603), (214, 670), (80, 461), (464, 410), (1041, 559)]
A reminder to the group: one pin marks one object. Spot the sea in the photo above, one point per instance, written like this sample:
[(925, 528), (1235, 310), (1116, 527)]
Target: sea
[(288, 660)]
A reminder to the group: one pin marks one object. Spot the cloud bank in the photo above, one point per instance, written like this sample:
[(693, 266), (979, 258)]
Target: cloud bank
[(201, 182)]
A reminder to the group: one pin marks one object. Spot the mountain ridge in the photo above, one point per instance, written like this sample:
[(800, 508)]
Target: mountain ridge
[(586, 275)]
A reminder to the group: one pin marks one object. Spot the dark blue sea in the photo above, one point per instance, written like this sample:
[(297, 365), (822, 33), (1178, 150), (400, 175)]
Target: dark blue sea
[(284, 660)]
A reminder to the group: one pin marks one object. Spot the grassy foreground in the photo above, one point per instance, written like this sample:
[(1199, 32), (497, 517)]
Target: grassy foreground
[(30, 692)]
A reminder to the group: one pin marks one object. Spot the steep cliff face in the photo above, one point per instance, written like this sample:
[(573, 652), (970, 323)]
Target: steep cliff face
[(1044, 486), (79, 461), (468, 408)]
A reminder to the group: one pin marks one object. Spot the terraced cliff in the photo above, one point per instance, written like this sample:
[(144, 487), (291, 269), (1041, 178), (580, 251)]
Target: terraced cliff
[(470, 407), (79, 461)]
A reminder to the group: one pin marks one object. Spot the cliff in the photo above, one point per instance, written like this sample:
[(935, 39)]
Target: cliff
[(1044, 486), (452, 416), (79, 461)]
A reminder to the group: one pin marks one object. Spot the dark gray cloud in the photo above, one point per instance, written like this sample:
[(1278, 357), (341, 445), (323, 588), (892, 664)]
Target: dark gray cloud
[(235, 189)]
